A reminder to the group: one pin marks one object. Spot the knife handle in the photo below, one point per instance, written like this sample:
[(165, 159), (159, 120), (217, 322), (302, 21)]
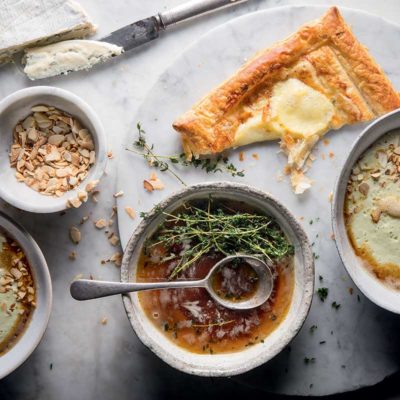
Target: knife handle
[(192, 9)]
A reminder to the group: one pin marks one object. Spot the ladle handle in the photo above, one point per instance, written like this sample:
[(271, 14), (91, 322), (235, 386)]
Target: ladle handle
[(86, 289)]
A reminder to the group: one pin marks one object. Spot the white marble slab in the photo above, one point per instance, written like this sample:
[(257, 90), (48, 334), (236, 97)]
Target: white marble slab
[(92, 361), (344, 361)]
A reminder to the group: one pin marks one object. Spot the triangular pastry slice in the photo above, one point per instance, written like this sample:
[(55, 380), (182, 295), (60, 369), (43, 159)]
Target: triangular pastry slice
[(318, 79)]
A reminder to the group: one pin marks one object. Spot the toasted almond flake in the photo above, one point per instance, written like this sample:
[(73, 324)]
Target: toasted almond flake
[(104, 321), (84, 219), (110, 154), (74, 202), (16, 273), (241, 156), (39, 108), (91, 185), (75, 234), (376, 215), (83, 195), (364, 188), (330, 197), (148, 186), (114, 239), (44, 139), (255, 156), (131, 212), (94, 196), (72, 255), (119, 194), (100, 223), (116, 258)]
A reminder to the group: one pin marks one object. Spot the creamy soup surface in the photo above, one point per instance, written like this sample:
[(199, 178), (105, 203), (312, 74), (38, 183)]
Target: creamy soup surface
[(17, 293), (372, 209), (191, 318)]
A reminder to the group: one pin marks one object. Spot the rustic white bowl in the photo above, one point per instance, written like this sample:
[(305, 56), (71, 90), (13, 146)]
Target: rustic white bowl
[(18, 106), (374, 289), (34, 331), (231, 363)]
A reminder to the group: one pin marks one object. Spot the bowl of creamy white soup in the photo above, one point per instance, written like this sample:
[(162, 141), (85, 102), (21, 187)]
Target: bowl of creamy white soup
[(366, 212)]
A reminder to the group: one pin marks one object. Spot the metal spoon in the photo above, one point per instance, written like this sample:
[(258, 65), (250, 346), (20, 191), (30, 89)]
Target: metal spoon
[(85, 289)]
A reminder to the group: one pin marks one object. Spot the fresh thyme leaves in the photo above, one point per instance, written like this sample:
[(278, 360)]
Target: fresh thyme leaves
[(147, 151), (308, 360), (313, 328), (194, 232), (322, 293), (163, 163), (335, 305)]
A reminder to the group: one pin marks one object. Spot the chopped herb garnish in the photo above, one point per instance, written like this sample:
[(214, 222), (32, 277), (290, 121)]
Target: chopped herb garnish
[(322, 293), (308, 360), (51, 366), (218, 164), (335, 305), (322, 342), (358, 298), (217, 229), (321, 278), (316, 256), (313, 328)]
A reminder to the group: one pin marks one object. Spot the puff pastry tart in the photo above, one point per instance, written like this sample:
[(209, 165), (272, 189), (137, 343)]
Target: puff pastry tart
[(318, 79)]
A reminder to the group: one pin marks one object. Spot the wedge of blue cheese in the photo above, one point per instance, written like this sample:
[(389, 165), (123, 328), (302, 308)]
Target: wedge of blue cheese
[(70, 55), (29, 23)]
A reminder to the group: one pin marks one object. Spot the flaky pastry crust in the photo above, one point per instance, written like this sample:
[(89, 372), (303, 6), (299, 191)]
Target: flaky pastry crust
[(323, 54)]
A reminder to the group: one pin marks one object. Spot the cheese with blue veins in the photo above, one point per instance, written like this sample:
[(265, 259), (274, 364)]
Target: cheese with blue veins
[(70, 55)]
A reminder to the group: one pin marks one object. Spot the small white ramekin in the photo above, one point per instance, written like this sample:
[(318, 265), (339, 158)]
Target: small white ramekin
[(372, 287), (33, 333), (17, 106)]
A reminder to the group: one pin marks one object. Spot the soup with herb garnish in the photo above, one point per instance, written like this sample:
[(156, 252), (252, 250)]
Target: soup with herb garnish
[(186, 246)]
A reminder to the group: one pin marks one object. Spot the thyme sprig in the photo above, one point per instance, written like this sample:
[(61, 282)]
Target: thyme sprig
[(194, 232), (218, 164)]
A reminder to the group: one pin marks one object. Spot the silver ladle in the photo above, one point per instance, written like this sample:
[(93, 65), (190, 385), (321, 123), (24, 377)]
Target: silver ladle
[(86, 289)]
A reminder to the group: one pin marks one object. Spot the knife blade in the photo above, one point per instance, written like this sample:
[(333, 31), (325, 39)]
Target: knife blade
[(135, 34)]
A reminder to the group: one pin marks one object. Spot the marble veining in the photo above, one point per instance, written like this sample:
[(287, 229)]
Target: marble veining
[(79, 358)]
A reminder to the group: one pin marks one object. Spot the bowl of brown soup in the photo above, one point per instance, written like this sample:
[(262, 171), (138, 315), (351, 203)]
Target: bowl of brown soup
[(182, 238)]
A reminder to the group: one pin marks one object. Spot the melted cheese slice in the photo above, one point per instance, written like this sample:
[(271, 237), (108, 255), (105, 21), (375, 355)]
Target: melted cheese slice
[(295, 109)]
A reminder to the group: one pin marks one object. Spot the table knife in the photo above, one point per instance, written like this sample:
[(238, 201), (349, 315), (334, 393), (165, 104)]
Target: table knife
[(148, 29)]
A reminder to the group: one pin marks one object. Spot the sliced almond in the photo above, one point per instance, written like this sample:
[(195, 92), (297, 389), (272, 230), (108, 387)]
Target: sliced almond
[(119, 194), (100, 223), (131, 212), (75, 234)]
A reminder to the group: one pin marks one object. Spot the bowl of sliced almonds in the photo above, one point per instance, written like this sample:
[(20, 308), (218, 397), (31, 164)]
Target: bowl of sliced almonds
[(54, 149)]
